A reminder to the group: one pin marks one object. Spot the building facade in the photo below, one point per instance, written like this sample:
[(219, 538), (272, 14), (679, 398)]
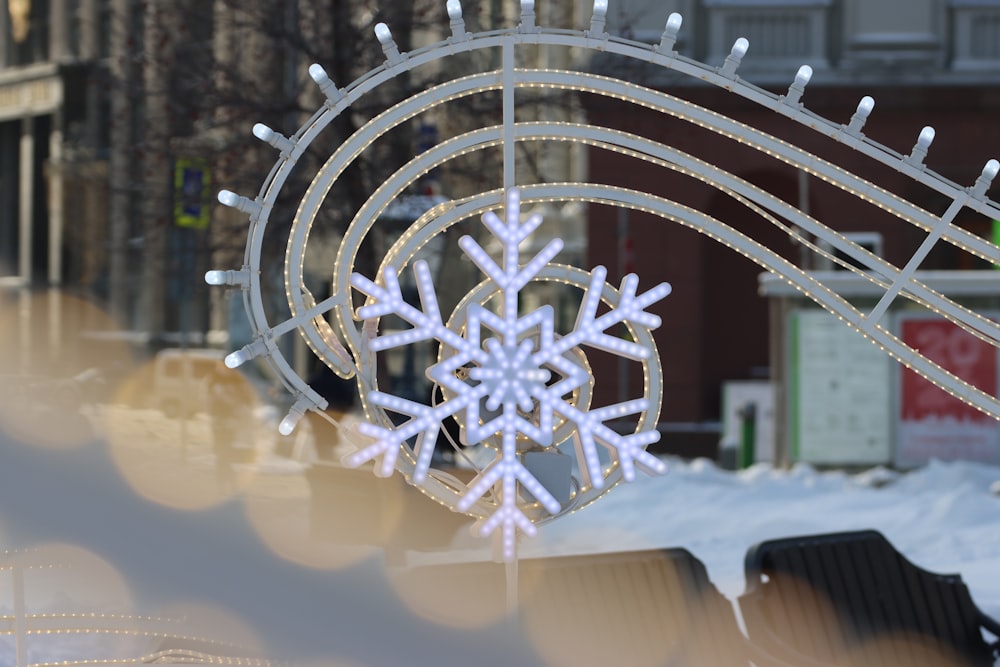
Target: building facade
[(926, 63), (111, 146)]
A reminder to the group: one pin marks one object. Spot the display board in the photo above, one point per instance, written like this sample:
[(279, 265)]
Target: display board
[(840, 404), (932, 424)]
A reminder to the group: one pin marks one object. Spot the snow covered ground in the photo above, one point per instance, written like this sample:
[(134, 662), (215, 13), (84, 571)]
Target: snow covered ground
[(943, 517)]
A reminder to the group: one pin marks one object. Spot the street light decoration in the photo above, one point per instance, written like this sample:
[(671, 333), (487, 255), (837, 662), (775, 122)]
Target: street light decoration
[(497, 377), (508, 379)]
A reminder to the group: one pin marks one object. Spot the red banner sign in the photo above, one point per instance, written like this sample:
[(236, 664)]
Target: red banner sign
[(934, 424)]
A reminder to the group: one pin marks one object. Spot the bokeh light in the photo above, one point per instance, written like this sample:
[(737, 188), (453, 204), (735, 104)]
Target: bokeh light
[(59, 357), (177, 445), (597, 610), (329, 517), (457, 595)]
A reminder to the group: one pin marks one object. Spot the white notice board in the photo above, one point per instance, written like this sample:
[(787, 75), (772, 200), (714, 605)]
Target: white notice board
[(840, 409)]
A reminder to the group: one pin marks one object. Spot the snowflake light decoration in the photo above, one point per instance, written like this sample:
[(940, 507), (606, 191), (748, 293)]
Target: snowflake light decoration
[(499, 383)]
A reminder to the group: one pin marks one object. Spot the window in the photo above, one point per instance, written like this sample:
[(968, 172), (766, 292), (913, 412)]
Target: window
[(975, 34), (783, 34)]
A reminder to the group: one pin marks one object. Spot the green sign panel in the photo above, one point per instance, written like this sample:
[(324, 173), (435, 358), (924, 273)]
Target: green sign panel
[(192, 182)]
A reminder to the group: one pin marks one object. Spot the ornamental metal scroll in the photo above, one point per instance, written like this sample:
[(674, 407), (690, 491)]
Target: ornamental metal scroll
[(511, 381)]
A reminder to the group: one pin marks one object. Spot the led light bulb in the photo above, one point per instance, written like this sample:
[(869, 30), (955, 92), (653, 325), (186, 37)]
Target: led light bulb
[(215, 277), (674, 22), (669, 37), (237, 358), (389, 47), (527, 16), (865, 106), (318, 74), (740, 47), (229, 198), (736, 54), (276, 139), (985, 179), (803, 75), (598, 18), (240, 203), (289, 423), (919, 152), (454, 10), (926, 137), (991, 169), (263, 132)]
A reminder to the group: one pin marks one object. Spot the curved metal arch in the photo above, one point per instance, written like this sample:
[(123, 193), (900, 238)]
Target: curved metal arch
[(722, 233), (390, 189), (972, 197), (669, 104)]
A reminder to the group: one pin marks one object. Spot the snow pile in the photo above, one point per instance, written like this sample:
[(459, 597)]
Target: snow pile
[(943, 517)]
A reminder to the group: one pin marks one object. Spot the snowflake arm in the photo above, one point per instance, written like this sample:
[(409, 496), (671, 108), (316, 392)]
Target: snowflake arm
[(591, 430), (590, 329), (427, 324), (425, 423), (507, 470), (511, 278)]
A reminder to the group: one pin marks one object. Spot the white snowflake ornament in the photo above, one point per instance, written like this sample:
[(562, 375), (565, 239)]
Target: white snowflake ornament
[(509, 378)]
